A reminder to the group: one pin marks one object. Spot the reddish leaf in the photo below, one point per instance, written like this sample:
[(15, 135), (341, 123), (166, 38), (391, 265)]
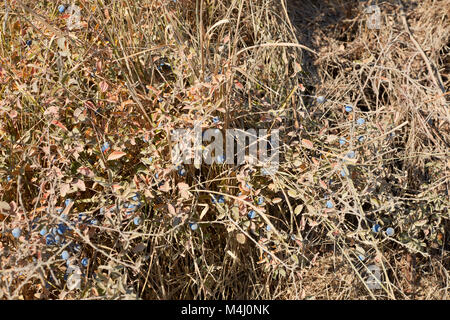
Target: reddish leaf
[(116, 155), (85, 171), (104, 86), (59, 124)]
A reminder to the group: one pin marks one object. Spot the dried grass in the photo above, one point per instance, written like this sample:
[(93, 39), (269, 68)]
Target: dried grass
[(137, 70)]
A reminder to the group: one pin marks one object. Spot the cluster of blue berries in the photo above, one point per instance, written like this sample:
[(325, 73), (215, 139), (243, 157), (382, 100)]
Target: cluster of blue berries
[(133, 205), (389, 231), (220, 199)]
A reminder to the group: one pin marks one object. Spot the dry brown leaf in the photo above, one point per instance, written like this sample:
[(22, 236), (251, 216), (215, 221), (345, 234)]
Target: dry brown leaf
[(80, 185), (240, 237), (172, 210), (64, 189), (276, 200), (103, 86), (307, 144)]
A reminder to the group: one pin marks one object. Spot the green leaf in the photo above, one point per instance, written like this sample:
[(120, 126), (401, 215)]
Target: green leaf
[(292, 193), (298, 209)]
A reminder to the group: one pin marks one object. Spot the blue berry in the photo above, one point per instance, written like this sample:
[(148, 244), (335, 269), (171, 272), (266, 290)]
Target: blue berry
[(182, 172), (252, 214), (193, 226), (65, 255), (16, 232), (61, 8), (376, 228), (221, 199), (50, 240), (131, 208), (351, 154), (81, 216), (360, 121), (342, 141), (62, 228), (260, 200), (268, 228), (361, 138), (29, 42), (34, 225), (69, 262), (105, 147), (215, 119), (329, 204), (348, 108), (43, 231), (220, 159), (137, 221), (84, 262), (390, 232)]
